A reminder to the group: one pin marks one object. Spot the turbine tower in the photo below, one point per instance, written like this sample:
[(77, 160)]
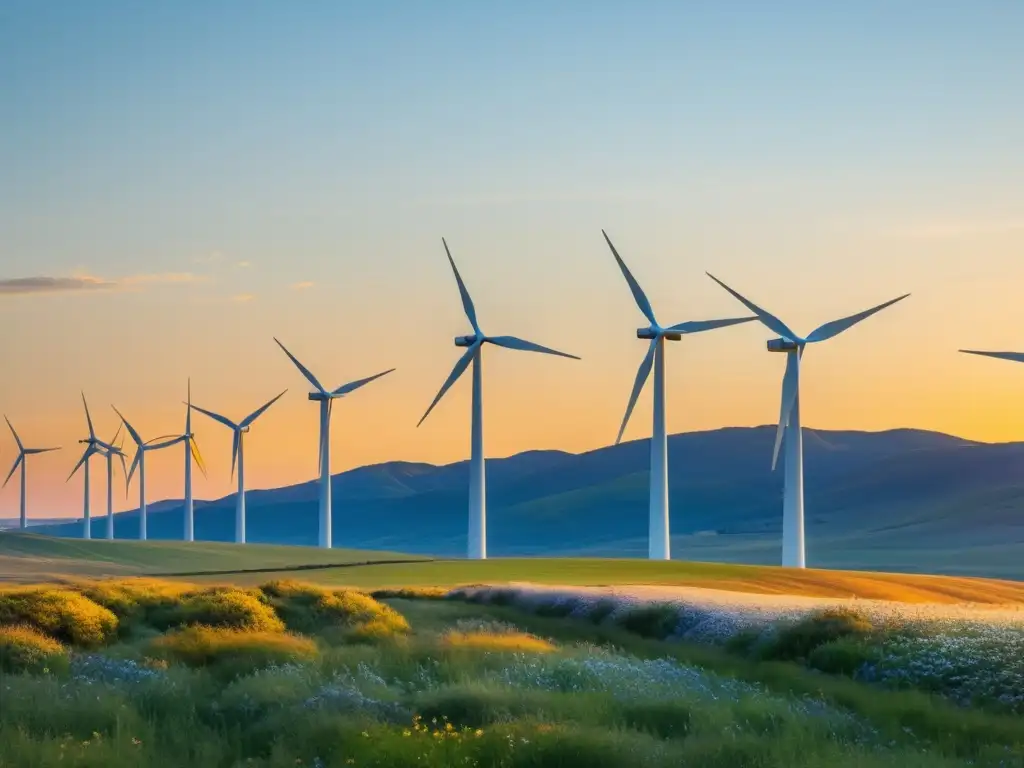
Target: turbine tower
[(238, 454), (109, 451), (92, 447), (326, 399), (141, 448), (191, 452), (658, 537), (793, 345), (21, 462), (474, 347)]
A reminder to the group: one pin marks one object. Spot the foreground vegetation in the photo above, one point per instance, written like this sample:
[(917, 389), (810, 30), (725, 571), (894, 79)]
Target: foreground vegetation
[(152, 673)]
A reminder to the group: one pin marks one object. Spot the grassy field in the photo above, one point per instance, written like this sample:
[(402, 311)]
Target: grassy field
[(162, 673), (35, 559), (28, 558)]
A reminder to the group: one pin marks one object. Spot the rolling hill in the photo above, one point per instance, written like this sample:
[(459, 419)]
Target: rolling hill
[(902, 500)]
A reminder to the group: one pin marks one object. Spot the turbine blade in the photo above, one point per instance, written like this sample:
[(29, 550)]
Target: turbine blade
[(697, 326), (834, 328), (216, 417), (259, 411), (770, 320), (88, 418), (457, 370), (634, 286), (303, 369), (131, 430), (89, 451), (117, 434), (354, 385), (641, 378), (34, 451), (152, 445), (467, 300), (16, 438), (194, 448), (135, 464), (511, 342), (789, 393), (188, 410), (17, 463), (1015, 356), (234, 451), (124, 470)]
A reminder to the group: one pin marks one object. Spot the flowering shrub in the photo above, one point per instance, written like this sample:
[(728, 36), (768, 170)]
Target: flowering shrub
[(230, 651), (24, 649), (220, 607), (62, 614)]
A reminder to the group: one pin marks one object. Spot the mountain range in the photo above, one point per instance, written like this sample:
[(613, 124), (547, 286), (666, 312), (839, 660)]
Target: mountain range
[(900, 500)]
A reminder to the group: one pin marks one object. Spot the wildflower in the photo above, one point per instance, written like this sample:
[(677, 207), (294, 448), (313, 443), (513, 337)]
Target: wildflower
[(478, 733)]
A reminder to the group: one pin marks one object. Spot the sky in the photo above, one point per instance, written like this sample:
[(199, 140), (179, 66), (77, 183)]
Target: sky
[(182, 182)]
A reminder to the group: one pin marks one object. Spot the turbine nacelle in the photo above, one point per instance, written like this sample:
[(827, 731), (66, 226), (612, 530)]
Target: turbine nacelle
[(658, 333), (465, 341), (782, 345)]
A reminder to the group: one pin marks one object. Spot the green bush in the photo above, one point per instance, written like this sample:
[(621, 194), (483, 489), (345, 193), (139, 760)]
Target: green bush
[(410, 593), (798, 640), (62, 614), (24, 649), (843, 656), (601, 610), (231, 652), (225, 607), (655, 621)]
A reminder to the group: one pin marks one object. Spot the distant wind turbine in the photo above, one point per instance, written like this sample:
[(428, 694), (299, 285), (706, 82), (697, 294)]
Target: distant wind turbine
[(474, 354), (142, 447), (326, 399), (658, 539), (21, 462), (109, 451), (237, 455), (789, 415), (92, 447)]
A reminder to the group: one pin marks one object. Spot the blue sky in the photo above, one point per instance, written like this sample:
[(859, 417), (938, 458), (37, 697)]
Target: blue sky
[(203, 159)]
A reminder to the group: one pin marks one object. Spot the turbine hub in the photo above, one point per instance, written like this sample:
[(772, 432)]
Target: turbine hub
[(654, 333), (465, 341), (782, 345), (317, 396)]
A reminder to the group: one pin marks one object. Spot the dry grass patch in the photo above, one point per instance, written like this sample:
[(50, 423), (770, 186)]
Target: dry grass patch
[(231, 651), (508, 642)]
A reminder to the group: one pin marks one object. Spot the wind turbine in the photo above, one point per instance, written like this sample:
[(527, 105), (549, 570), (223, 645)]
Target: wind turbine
[(326, 399), (474, 354), (21, 462), (92, 446), (141, 448), (793, 345), (109, 451), (237, 454), (658, 541)]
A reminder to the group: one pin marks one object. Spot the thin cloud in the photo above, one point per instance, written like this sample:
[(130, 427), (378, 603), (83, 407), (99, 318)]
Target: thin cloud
[(20, 286), (44, 284), (208, 258), (952, 228), (303, 285), (242, 298), (243, 264)]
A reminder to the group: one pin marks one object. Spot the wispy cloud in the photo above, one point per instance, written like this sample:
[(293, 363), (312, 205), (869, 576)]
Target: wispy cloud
[(242, 298), (208, 258), (243, 264), (43, 284), (303, 285)]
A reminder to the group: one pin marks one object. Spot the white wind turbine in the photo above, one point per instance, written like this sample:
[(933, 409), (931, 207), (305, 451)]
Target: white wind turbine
[(109, 451), (326, 399), (92, 447), (142, 447), (237, 455), (789, 415), (658, 540), (21, 462), (474, 354)]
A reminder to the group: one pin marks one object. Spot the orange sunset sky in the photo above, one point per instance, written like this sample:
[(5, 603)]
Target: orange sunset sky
[(192, 183)]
